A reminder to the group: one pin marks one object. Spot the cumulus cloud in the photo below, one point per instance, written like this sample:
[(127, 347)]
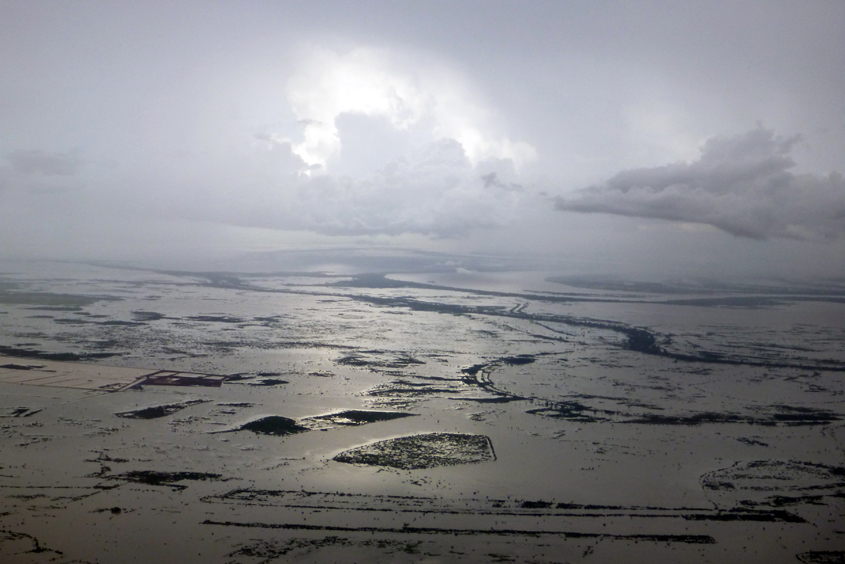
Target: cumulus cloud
[(435, 190), (742, 185), (408, 93), (379, 146), (384, 143)]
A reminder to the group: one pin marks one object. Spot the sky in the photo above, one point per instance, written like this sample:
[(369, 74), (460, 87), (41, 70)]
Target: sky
[(653, 138)]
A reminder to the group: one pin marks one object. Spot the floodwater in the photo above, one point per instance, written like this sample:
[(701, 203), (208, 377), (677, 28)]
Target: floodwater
[(419, 417)]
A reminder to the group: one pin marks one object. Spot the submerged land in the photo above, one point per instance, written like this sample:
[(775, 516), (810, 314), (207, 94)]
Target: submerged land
[(414, 415)]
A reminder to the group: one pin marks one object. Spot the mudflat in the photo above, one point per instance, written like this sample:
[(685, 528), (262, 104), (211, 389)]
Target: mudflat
[(150, 416)]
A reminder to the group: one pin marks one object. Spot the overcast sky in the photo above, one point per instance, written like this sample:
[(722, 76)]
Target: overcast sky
[(643, 137)]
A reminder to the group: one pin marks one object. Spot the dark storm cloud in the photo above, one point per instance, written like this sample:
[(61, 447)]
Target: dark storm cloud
[(35, 161), (742, 185)]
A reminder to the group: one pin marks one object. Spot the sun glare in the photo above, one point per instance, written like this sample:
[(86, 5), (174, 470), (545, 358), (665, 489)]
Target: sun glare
[(435, 101)]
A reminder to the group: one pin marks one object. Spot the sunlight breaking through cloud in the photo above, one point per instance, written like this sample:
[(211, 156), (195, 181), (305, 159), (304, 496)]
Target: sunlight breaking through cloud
[(433, 101)]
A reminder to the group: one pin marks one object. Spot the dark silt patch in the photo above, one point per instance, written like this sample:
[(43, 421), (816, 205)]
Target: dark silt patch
[(238, 378), (147, 315), (407, 388), (274, 550), (184, 379), (474, 369), (536, 504), (422, 451), (69, 321), (55, 302), (31, 353), (792, 415), (378, 360), (779, 415), (402, 393), (569, 411), (156, 478), (773, 483), (696, 419), (21, 366), (271, 382), (158, 411), (121, 323), (267, 382), (55, 308), (518, 360), (217, 318), (257, 379), (273, 425), (752, 442), (822, 557), (510, 507), (14, 542), (18, 411)]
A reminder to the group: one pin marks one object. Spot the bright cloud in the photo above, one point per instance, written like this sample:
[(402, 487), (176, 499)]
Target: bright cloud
[(423, 156), (409, 94)]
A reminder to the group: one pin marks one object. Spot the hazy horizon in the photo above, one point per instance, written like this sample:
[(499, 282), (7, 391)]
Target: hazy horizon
[(648, 140)]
